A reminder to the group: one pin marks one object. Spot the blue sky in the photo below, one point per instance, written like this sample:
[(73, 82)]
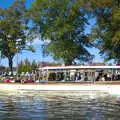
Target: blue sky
[(38, 54)]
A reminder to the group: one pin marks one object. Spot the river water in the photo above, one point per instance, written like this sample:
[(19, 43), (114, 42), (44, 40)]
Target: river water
[(58, 105)]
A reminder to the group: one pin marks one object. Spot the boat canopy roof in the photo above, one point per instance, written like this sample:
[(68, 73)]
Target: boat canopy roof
[(77, 67)]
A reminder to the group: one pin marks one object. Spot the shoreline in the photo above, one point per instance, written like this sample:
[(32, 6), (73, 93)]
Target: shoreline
[(108, 88)]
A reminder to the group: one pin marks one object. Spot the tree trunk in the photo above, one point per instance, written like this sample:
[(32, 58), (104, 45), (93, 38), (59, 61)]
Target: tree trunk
[(68, 62), (10, 60)]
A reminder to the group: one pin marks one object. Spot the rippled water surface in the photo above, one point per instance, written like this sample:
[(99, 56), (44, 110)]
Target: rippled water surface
[(55, 105)]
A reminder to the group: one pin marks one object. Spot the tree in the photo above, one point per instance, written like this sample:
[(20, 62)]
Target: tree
[(20, 67), (24, 66), (107, 28), (34, 65), (14, 30), (63, 23)]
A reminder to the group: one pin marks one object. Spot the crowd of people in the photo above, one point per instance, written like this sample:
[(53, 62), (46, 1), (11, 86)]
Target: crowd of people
[(28, 77), (37, 77)]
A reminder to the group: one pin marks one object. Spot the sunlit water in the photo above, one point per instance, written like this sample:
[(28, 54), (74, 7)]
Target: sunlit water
[(56, 105)]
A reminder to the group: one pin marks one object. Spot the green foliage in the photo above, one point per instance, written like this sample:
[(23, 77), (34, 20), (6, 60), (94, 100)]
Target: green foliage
[(26, 66), (14, 30), (110, 64), (107, 29), (63, 22), (34, 65), (68, 51)]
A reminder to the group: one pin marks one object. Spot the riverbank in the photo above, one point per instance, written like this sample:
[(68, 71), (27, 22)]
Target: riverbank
[(108, 88)]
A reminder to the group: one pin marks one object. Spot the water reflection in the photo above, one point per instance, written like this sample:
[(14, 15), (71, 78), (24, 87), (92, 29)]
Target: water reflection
[(36, 105)]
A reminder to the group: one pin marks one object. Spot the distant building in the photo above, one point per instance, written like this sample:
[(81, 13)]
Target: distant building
[(44, 64), (97, 64)]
